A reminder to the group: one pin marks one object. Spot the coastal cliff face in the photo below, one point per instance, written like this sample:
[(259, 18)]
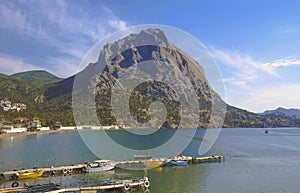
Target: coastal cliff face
[(53, 101)]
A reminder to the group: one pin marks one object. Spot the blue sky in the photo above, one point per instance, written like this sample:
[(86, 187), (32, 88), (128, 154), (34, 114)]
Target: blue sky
[(255, 43)]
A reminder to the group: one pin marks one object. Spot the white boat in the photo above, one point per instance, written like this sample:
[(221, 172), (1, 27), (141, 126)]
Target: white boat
[(99, 166)]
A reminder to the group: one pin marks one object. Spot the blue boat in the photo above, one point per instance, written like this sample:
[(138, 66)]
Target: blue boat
[(177, 163)]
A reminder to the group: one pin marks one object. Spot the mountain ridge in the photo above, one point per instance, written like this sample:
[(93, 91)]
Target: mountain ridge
[(291, 112), (53, 101), (38, 77)]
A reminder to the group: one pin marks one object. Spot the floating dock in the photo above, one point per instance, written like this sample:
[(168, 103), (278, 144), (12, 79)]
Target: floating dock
[(120, 185), (12, 175), (123, 185), (32, 188), (213, 158), (131, 164), (17, 189)]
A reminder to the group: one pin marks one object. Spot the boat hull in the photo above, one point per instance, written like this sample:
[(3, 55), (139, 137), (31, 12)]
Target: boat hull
[(99, 169), (153, 164), (177, 163), (30, 175)]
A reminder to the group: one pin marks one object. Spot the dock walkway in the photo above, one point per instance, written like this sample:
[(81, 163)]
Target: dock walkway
[(125, 185), (121, 185), (130, 164)]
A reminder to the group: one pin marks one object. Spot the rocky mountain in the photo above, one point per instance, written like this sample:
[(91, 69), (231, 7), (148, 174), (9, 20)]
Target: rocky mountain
[(283, 112), (137, 50), (38, 77), (53, 101)]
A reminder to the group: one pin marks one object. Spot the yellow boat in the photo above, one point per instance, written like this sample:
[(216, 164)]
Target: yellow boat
[(28, 175), (37, 179), (153, 164), (158, 169)]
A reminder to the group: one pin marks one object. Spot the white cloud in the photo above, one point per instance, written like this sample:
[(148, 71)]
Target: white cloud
[(71, 28), (117, 24), (284, 62), (63, 67), (49, 19), (10, 65), (256, 85), (264, 97), (14, 19), (246, 69), (244, 63)]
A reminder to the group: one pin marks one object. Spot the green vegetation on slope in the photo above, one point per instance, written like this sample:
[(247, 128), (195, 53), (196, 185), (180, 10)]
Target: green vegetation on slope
[(38, 77), (48, 111), (54, 103)]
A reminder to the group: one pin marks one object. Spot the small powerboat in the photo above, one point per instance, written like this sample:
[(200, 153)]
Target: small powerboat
[(153, 163), (99, 166), (177, 163), (29, 175)]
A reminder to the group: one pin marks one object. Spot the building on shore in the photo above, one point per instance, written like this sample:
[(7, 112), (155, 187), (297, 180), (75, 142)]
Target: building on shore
[(8, 127), (56, 126), (34, 125), (14, 130), (5, 125), (21, 119)]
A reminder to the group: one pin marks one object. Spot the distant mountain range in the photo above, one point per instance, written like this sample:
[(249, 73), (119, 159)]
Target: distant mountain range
[(50, 98), (294, 113)]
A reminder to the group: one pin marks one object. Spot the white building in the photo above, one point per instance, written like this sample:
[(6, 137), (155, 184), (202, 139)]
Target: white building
[(34, 125), (7, 105), (15, 130)]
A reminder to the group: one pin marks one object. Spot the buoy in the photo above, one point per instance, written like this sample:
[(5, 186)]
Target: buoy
[(15, 184), (70, 170), (126, 187), (65, 171), (147, 184)]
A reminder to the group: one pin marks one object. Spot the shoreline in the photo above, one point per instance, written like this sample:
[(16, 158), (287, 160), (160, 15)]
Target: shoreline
[(45, 132), (6, 135)]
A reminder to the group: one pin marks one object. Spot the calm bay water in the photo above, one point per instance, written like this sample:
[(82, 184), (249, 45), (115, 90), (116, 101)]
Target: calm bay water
[(255, 162)]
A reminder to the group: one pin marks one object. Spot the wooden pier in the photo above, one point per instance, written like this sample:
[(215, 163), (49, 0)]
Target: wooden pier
[(17, 189), (123, 185), (120, 185), (12, 175), (214, 158), (131, 164)]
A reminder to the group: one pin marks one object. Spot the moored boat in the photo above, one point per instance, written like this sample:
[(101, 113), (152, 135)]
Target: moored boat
[(153, 164), (28, 175), (99, 166), (177, 163)]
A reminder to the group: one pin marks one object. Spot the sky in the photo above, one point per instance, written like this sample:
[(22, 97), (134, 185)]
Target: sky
[(254, 43)]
